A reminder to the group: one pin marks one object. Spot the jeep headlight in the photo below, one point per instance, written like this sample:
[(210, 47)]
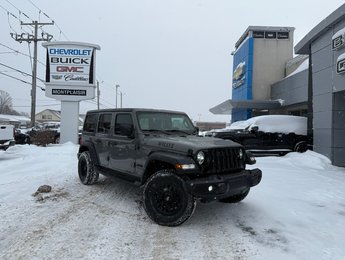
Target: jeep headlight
[(200, 157)]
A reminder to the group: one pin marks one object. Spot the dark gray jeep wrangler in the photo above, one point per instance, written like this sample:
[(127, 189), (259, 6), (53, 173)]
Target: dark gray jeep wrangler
[(161, 151)]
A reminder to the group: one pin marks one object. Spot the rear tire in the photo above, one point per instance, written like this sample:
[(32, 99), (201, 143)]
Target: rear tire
[(236, 198), (166, 200), (301, 147), (86, 169)]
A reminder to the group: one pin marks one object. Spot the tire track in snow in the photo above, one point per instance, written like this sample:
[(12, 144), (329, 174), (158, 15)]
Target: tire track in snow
[(66, 218)]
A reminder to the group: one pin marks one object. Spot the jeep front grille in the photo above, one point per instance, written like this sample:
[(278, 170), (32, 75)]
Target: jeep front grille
[(223, 160)]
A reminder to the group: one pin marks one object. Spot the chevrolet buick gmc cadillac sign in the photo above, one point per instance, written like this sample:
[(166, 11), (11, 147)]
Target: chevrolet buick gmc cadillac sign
[(70, 70), (338, 42), (70, 65)]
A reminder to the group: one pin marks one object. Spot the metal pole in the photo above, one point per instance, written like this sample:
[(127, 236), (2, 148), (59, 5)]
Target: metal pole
[(98, 92), (117, 86), (121, 99), (34, 79)]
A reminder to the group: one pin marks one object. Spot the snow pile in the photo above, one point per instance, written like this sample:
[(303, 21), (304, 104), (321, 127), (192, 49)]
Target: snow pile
[(310, 160)]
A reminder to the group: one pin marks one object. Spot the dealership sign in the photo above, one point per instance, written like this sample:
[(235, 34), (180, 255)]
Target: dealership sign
[(341, 64), (70, 70), (239, 75), (338, 40)]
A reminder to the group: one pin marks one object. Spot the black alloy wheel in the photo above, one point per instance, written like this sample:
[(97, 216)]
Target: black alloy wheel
[(166, 200)]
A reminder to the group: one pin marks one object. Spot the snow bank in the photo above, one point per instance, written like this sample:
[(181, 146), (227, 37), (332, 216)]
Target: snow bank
[(310, 159)]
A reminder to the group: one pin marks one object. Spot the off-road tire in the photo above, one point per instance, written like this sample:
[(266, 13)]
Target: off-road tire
[(86, 169), (166, 200), (57, 140), (236, 198)]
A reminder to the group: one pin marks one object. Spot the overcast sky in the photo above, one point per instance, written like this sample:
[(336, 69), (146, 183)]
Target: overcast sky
[(172, 54)]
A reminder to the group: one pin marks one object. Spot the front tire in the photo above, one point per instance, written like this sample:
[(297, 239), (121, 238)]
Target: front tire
[(166, 200), (86, 169), (236, 198)]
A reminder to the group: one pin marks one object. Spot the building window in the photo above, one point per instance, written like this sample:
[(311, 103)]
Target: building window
[(283, 35), (258, 34), (270, 35)]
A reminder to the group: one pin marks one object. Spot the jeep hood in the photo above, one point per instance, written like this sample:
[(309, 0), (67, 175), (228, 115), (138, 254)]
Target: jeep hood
[(186, 143)]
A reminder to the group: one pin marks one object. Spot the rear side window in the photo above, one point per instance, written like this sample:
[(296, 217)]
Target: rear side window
[(104, 124), (123, 124), (90, 123)]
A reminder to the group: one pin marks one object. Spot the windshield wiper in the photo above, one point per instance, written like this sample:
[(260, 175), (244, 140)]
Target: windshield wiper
[(180, 131), (156, 130)]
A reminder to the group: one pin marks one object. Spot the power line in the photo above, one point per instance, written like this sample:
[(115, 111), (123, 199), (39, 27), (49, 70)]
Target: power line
[(20, 80), (112, 105), (20, 12), (7, 52), (48, 105), (24, 54), (8, 18), (57, 26), (95, 103), (20, 71)]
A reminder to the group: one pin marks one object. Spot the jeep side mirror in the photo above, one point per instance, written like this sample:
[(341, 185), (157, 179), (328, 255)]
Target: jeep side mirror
[(196, 131), (254, 129)]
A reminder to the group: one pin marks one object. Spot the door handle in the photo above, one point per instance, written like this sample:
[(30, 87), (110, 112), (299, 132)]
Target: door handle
[(112, 143)]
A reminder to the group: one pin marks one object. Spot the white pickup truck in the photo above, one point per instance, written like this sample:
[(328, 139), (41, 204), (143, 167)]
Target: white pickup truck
[(6, 136)]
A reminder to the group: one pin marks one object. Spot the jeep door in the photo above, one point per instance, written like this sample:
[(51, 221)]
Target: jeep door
[(102, 138), (123, 145)]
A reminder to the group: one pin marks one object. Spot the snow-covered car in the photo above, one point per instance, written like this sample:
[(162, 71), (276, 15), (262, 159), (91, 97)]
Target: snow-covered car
[(21, 137), (269, 134)]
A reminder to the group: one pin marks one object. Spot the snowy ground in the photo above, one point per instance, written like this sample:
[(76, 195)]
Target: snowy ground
[(297, 212)]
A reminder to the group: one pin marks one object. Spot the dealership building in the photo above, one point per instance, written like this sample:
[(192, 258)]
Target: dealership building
[(268, 79)]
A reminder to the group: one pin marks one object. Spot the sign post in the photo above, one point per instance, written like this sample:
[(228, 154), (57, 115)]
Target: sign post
[(70, 77)]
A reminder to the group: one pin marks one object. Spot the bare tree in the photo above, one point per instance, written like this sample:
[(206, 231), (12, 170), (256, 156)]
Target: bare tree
[(6, 106)]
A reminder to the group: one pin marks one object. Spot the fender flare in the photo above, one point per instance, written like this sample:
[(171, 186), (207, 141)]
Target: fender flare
[(88, 146), (169, 158)]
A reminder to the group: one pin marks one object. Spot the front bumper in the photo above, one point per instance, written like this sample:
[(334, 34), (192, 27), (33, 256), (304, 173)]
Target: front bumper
[(7, 144), (215, 187)]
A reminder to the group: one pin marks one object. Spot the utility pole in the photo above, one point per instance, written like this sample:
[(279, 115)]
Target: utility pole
[(98, 92), (117, 86), (25, 37)]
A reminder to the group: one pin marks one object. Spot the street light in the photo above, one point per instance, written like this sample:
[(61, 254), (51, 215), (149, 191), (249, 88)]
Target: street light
[(121, 94), (117, 86)]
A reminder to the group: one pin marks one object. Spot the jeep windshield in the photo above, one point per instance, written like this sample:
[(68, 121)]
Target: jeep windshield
[(167, 123)]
